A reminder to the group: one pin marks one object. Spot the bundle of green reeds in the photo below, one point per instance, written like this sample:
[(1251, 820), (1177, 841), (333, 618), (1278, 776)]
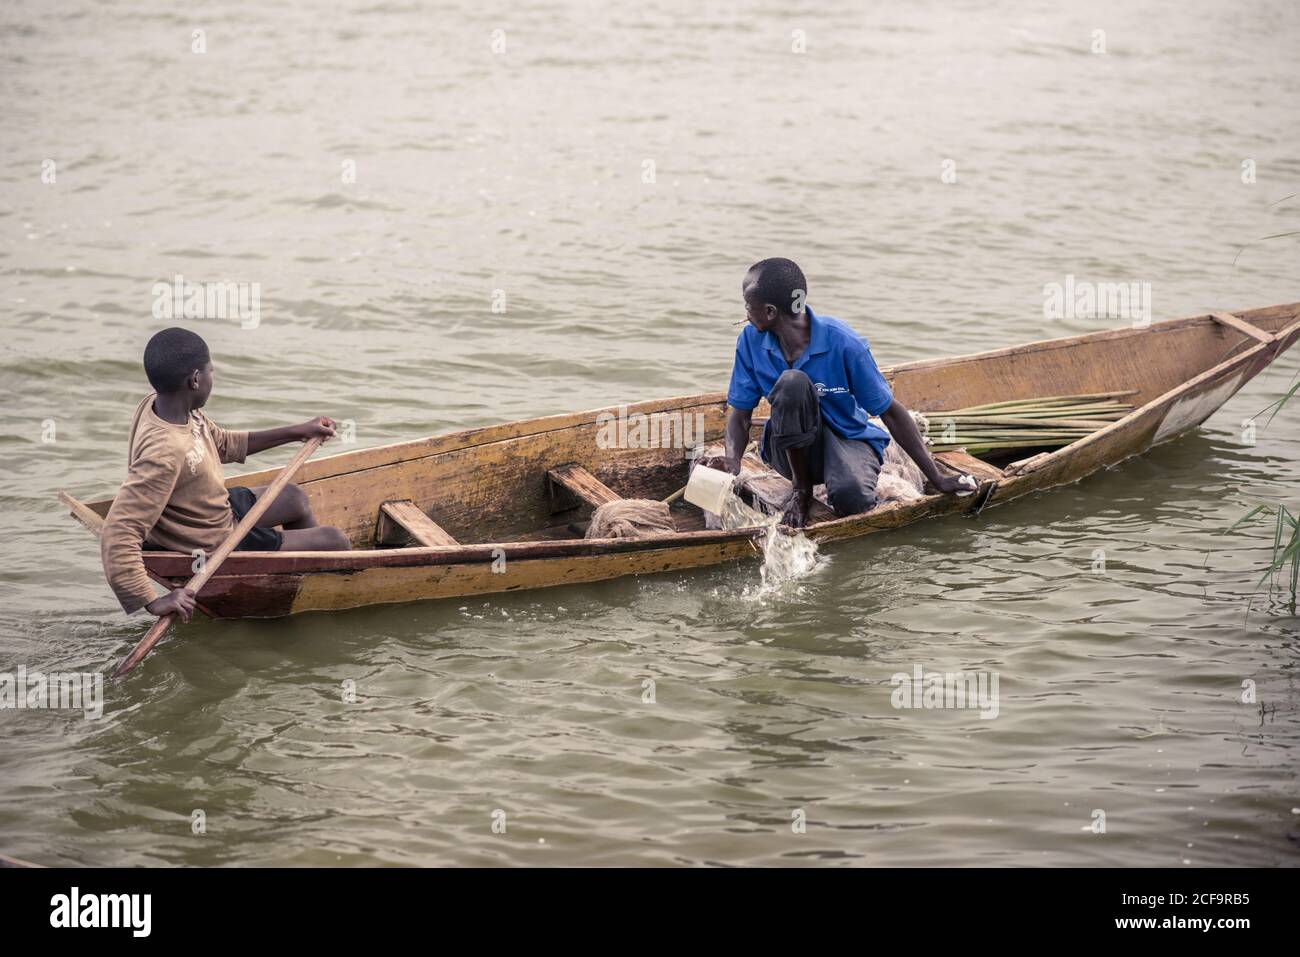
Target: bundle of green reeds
[(1048, 422)]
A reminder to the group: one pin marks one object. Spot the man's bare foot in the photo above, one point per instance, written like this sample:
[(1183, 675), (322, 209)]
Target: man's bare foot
[(795, 508)]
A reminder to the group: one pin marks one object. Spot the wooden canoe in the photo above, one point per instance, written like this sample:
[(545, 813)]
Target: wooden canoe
[(501, 508)]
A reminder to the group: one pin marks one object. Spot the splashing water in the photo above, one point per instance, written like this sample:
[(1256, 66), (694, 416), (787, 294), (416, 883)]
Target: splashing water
[(786, 557)]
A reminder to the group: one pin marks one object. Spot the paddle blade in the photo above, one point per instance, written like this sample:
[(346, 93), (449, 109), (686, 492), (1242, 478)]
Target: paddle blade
[(151, 638)]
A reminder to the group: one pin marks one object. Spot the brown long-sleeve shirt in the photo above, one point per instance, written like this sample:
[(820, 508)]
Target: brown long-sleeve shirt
[(174, 497)]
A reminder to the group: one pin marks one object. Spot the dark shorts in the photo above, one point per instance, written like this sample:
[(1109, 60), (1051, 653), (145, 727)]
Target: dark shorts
[(259, 539), (848, 467)]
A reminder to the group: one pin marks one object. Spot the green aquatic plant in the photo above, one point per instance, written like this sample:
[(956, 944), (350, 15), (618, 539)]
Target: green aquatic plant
[(1286, 529), (1287, 396), (1286, 550)]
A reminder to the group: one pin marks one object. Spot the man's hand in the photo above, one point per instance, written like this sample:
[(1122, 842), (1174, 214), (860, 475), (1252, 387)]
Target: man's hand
[(722, 463), (952, 485), (794, 510), (178, 602), (321, 425)]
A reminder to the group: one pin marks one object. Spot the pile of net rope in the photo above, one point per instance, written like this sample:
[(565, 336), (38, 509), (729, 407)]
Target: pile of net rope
[(630, 518)]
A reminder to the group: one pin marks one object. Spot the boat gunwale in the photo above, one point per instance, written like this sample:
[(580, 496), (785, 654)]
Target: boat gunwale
[(1100, 335), (296, 563), (484, 435)]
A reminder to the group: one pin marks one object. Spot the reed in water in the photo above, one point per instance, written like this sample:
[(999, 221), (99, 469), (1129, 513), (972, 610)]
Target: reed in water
[(1286, 531)]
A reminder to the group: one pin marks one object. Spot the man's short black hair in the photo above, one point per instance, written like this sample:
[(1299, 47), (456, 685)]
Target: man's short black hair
[(780, 282), (171, 356)]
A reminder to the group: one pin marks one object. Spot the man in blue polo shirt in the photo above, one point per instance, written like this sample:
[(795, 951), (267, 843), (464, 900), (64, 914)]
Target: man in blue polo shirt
[(823, 385)]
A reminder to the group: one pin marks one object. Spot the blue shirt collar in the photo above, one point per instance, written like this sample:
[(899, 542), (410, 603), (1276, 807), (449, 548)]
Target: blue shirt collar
[(818, 338)]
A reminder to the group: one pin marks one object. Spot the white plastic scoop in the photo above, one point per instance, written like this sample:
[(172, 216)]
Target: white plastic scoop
[(708, 488)]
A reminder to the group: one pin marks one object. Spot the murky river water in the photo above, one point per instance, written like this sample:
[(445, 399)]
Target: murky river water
[(523, 171)]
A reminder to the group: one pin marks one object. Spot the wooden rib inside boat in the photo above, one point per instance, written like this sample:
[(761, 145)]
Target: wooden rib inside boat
[(503, 508)]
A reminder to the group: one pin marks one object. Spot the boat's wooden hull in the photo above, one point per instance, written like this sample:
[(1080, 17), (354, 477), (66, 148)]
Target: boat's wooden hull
[(489, 484)]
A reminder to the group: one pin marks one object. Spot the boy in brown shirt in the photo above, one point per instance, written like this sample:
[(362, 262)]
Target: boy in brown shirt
[(175, 495)]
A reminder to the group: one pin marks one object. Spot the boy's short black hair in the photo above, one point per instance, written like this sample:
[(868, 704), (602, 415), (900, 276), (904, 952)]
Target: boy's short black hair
[(171, 356), (776, 281)]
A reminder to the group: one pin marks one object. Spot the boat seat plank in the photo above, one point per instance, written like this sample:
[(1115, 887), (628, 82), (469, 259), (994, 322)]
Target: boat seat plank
[(582, 484), (963, 463), (1233, 322), (409, 518)]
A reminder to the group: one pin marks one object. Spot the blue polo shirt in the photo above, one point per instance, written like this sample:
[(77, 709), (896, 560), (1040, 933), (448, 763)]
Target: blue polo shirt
[(839, 362)]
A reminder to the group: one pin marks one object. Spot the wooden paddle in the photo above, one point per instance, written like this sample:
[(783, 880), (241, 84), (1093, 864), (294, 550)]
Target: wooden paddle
[(195, 584)]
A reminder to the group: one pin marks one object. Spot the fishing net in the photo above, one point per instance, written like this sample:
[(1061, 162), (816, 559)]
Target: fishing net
[(900, 478), (630, 518)]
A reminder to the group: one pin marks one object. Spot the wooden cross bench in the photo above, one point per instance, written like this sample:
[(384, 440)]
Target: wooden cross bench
[(577, 482), (404, 520)]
